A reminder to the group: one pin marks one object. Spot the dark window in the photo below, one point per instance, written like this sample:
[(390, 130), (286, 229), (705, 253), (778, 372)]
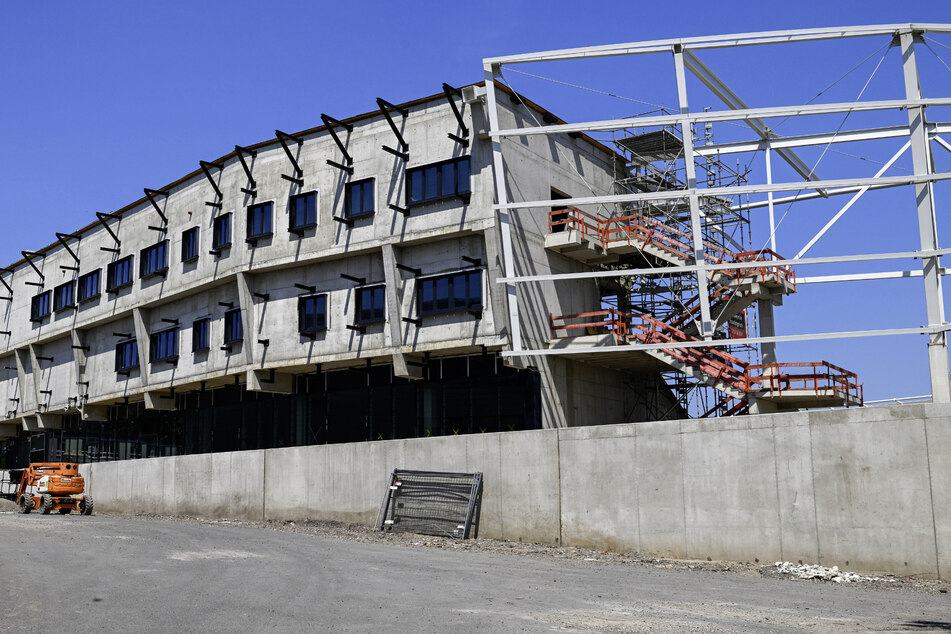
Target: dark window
[(119, 274), (40, 308), (449, 293), (233, 331), (163, 345), (88, 286), (370, 304), (63, 296), (200, 341), (358, 199), (303, 210), (259, 221), (221, 232), (154, 260), (311, 314), (127, 355), (190, 245), (448, 179)]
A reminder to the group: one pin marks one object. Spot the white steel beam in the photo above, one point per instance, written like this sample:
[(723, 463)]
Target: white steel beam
[(749, 341), (942, 143), (738, 190), (718, 41), (921, 159), (658, 271), (851, 202), (724, 115), (861, 277), (847, 136), (811, 196), (718, 87)]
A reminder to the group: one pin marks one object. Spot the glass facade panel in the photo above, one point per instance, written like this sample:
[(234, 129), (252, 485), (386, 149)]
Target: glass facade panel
[(221, 232), (40, 307), (438, 181), (312, 314), (259, 220), (88, 287), (451, 292), (303, 210), (461, 395), (63, 296), (119, 274), (358, 199), (233, 330), (190, 245), (200, 341), (163, 345), (154, 259)]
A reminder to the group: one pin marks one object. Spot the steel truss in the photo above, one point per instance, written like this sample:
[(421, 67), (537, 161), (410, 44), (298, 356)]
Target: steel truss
[(920, 135)]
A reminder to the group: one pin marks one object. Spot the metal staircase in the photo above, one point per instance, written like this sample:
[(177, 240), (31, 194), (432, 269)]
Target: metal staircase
[(591, 239)]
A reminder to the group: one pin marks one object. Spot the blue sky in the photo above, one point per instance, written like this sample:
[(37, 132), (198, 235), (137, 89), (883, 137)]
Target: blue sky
[(102, 99)]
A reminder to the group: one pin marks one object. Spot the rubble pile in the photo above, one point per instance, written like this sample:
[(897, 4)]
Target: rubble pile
[(808, 571)]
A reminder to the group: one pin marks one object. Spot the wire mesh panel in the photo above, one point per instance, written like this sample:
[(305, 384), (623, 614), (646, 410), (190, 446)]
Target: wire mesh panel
[(432, 503)]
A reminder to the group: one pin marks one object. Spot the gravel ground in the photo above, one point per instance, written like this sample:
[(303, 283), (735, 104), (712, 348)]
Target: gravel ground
[(364, 534)]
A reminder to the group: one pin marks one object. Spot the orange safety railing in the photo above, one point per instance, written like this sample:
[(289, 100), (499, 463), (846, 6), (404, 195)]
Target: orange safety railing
[(588, 225), (675, 241), (597, 322), (778, 272), (720, 365), (813, 377), (648, 230)]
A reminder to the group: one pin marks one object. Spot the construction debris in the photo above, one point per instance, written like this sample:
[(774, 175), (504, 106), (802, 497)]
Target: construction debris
[(809, 571)]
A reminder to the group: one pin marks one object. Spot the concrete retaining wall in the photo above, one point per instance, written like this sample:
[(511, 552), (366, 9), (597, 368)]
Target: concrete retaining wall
[(855, 488)]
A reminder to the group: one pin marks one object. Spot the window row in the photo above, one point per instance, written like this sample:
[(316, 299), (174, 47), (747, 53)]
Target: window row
[(163, 344), (437, 294)]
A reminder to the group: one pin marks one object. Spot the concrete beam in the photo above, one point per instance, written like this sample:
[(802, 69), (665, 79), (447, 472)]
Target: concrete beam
[(160, 400), (49, 421), (94, 413), (30, 423), (270, 381), (8, 430), (407, 367)]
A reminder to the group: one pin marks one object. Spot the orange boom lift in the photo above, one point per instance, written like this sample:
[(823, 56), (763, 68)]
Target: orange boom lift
[(47, 486)]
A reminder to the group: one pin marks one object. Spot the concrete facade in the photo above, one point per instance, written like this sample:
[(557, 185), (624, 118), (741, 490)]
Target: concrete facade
[(862, 488), (64, 363)]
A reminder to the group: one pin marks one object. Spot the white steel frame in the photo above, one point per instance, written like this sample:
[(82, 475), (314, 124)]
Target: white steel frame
[(919, 133)]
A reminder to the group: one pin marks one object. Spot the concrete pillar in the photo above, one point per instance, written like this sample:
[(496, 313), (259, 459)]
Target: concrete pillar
[(767, 328), (391, 276), (248, 321), (27, 394), (140, 318)]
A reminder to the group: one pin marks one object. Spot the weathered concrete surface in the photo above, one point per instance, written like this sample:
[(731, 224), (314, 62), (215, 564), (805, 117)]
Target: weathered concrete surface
[(860, 488), (243, 579)]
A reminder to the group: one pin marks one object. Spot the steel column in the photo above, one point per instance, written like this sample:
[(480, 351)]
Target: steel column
[(924, 196), (706, 324), (501, 195)]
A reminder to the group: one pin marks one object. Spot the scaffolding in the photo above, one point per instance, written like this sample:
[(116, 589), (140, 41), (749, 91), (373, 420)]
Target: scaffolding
[(672, 252)]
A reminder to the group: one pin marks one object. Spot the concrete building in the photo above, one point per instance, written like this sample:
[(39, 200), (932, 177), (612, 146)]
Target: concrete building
[(330, 285)]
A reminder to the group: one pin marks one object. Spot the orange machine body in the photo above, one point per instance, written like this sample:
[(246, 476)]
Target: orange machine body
[(48, 486)]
